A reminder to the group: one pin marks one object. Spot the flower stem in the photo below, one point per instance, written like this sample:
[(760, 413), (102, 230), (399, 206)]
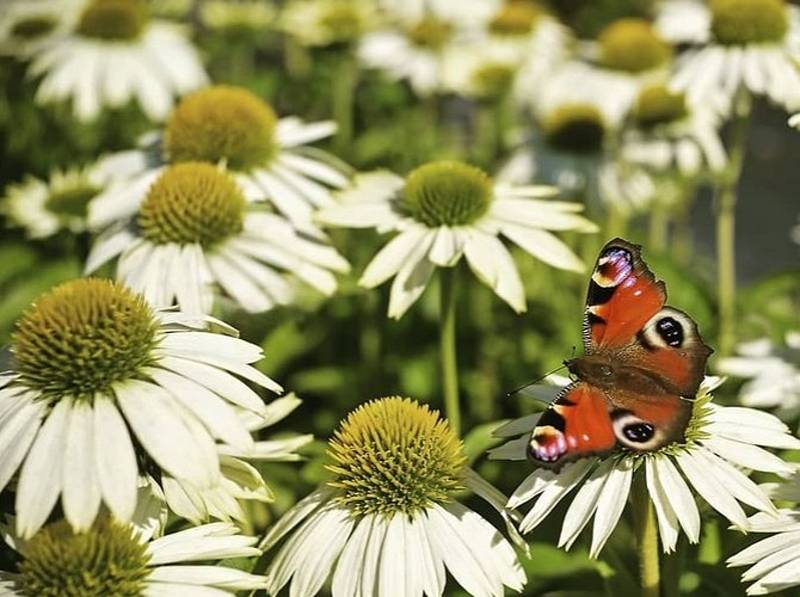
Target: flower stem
[(343, 98), (646, 539), (658, 228), (447, 346), (725, 203)]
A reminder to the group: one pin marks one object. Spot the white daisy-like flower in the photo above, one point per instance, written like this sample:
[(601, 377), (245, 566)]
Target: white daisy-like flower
[(45, 207), (114, 54), (194, 229), (772, 373), (270, 157), (388, 522), (578, 115), (484, 70), (581, 98), (775, 561), (239, 479), (445, 210), (328, 22), (719, 442), (26, 25), (540, 43), (414, 46), (751, 45), (667, 134), (90, 363), (117, 558)]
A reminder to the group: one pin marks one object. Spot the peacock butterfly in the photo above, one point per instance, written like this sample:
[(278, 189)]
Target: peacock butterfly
[(642, 366)]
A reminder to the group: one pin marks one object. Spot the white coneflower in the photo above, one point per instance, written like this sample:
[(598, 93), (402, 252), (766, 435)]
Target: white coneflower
[(195, 229), (415, 44), (388, 523), (775, 561), (26, 25), (270, 157), (239, 480), (578, 113), (114, 54), (90, 361), (743, 44), (115, 558), (327, 22), (772, 373), (483, 70), (445, 210), (540, 43), (45, 207), (719, 441), (669, 134)]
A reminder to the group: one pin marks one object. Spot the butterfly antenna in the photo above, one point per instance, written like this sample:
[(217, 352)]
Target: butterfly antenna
[(534, 381)]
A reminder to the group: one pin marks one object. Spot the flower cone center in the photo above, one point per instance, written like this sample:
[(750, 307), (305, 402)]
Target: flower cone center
[(106, 560), (658, 105), (83, 336), (33, 27), (71, 202), (395, 455), (749, 21), (447, 193), (113, 20), (343, 21), (193, 202), (431, 33), (493, 80), (575, 128), (516, 17), (632, 45), (222, 123)]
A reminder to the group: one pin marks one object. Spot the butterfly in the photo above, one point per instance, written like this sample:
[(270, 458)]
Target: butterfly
[(642, 366)]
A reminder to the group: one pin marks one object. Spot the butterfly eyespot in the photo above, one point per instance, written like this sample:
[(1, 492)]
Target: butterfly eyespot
[(671, 331), (633, 432), (639, 432)]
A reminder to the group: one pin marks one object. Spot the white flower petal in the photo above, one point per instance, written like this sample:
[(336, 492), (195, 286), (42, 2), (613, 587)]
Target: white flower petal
[(216, 414), (680, 496), (464, 555), (610, 504), (713, 492), (81, 490), (40, 479), (297, 514), (555, 490), (544, 246), (494, 266), (170, 434), (391, 258), (668, 525), (347, 577), (583, 505)]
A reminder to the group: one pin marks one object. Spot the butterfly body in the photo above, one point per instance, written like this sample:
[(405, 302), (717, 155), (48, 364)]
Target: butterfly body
[(642, 366)]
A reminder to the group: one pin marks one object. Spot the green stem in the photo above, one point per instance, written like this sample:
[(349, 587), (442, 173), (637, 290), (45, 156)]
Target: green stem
[(646, 539), (658, 228), (725, 203), (616, 222), (447, 346), (343, 98)]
